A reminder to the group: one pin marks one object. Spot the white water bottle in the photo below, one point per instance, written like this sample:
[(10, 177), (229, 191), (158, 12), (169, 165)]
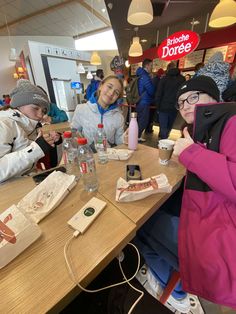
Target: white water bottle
[(101, 144), (133, 132), (87, 165), (69, 152)]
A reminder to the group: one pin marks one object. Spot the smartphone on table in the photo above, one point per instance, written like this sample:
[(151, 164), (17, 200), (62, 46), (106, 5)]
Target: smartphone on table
[(133, 172), (38, 178)]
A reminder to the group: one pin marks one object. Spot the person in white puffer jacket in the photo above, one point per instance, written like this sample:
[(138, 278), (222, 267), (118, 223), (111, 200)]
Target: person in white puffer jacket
[(102, 108), (21, 144)]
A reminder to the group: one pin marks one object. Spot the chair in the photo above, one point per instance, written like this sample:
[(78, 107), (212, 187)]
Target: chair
[(175, 278)]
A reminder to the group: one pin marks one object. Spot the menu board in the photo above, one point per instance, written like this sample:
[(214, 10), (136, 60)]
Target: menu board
[(210, 52), (158, 63), (134, 67), (190, 60)]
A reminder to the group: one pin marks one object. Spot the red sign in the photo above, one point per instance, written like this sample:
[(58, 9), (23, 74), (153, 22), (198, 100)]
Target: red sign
[(178, 45)]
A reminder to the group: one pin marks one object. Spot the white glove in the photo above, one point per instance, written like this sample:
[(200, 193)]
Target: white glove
[(182, 143)]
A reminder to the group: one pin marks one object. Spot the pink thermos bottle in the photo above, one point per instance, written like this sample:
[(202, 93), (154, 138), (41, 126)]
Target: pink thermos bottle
[(133, 132)]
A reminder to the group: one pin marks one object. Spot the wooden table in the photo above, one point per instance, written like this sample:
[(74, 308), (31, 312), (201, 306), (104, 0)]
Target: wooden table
[(37, 281), (147, 158), (58, 127)]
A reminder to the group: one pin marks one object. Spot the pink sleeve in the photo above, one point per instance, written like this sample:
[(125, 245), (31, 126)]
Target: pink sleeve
[(218, 170)]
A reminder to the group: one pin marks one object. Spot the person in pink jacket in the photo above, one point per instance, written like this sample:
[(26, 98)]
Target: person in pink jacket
[(205, 247)]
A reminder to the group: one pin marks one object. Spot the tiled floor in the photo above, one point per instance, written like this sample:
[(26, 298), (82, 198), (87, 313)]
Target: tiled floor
[(152, 140)]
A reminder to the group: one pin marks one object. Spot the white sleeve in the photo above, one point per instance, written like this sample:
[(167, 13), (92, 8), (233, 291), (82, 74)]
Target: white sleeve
[(18, 162), (119, 136), (75, 123)]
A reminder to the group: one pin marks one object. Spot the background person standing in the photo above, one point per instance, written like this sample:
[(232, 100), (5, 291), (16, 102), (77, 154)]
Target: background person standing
[(146, 91), (165, 99)]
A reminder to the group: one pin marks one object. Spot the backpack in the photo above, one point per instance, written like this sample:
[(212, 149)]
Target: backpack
[(132, 94)]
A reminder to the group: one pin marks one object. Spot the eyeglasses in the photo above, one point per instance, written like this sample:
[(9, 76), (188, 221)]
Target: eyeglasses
[(192, 99)]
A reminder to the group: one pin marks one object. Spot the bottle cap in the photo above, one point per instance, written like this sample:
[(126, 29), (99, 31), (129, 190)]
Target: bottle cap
[(67, 134), (82, 140), (100, 125), (133, 114)]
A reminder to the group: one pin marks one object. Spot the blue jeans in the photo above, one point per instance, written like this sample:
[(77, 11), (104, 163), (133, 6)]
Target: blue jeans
[(143, 117), (157, 243), (166, 121)]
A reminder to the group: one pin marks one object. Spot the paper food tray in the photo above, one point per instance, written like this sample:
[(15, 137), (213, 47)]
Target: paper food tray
[(46, 196), (138, 189), (17, 232), (119, 154)]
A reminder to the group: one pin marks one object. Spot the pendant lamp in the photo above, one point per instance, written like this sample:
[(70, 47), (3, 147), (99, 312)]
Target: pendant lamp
[(95, 59), (224, 14), (80, 68), (89, 75), (135, 49), (140, 12)]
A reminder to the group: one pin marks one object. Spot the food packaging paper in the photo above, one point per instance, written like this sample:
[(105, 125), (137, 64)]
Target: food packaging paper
[(46, 196), (17, 232), (119, 154), (134, 190)]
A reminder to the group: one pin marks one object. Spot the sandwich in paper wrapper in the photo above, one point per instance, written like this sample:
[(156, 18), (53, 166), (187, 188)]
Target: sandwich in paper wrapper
[(46, 196), (136, 190), (119, 154)]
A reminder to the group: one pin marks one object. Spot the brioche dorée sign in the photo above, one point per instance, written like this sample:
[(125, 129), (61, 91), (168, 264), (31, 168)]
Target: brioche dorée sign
[(178, 45)]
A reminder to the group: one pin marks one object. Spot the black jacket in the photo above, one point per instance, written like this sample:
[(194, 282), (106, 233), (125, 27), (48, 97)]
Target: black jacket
[(165, 98)]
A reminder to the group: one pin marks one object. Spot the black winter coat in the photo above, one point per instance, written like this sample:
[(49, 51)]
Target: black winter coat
[(165, 97)]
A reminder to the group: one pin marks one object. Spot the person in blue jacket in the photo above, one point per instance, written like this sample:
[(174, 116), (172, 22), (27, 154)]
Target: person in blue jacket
[(94, 84), (55, 115), (146, 91)]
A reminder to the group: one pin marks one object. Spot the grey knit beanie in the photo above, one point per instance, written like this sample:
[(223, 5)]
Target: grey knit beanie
[(26, 93)]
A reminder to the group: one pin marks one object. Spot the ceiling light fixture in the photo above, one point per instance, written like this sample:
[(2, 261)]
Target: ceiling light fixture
[(89, 75), (12, 54), (143, 40), (135, 49), (95, 59), (127, 64), (224, 14), (80, 69), (140, 12)]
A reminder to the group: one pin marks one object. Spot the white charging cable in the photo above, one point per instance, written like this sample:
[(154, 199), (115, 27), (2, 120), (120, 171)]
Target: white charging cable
[(127, 280)]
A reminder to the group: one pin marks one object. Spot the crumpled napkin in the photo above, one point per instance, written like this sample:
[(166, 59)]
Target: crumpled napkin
[(119, 154), (138, 189), (46, 196)]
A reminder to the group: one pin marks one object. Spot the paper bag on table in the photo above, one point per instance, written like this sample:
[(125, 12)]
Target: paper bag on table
[(46, 196), (119, 154), (17, 232), (135, 189)]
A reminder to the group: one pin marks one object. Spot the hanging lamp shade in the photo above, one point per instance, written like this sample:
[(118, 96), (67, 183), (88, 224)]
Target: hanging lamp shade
[(224, 14), (140, 12), (89, 75), (135, 49), (95, 59), (13, 55), (80, 68)]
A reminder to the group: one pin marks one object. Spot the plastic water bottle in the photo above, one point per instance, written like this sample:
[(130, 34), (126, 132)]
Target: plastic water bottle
[(87, 165), (69, 152), (133, 132), (101, 144)]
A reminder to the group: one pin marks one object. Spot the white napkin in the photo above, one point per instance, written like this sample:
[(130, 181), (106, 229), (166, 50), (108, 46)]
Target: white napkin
[(138, 189), (46, 196), (119, 154)]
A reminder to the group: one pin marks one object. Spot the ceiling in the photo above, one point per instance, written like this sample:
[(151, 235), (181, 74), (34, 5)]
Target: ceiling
[(169, 16), (77, 18)]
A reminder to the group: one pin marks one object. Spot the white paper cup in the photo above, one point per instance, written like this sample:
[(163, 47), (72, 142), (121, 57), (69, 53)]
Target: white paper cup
[(165, 150)]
